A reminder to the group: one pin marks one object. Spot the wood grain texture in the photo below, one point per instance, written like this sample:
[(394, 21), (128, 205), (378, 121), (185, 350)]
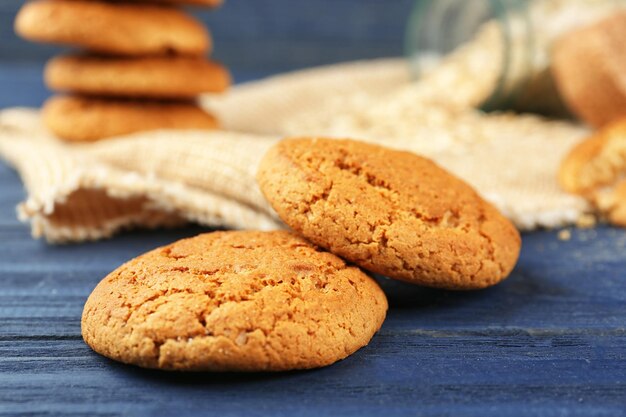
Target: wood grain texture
[(549, 341)]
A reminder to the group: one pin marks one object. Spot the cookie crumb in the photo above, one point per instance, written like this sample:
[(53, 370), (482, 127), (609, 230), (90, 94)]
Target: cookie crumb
[(565, 235)]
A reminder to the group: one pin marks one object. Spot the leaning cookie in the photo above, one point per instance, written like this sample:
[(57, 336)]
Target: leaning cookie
[(234, 301), (83, 119), (146, 77), (113, 28), (390, 212)]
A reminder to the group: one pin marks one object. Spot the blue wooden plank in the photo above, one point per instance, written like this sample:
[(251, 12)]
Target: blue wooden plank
[(424, 375), (11, 191)]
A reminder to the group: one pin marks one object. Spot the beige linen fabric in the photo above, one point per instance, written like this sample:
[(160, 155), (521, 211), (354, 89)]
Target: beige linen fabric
[(162, 178)]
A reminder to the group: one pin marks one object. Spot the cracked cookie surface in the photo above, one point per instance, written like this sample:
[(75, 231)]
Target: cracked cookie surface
[(390, 212), (233, 301)]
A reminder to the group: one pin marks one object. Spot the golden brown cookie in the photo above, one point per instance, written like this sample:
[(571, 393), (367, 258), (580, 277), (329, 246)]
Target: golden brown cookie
[(390, 212), (588, 165), (599, 161), (147, 77), (589, 67), (234, 301), (113, 28), (595, 168), (83, 119)]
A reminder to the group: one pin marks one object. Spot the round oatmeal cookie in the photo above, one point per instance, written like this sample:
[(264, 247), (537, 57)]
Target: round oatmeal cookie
[(390, 212), (234, 301), (146, 77), (113, 28), (83, 119)]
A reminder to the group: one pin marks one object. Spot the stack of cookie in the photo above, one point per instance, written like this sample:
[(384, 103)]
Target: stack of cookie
[(142, 68)]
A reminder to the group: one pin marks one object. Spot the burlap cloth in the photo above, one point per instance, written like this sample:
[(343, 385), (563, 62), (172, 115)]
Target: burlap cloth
[(91, 191)]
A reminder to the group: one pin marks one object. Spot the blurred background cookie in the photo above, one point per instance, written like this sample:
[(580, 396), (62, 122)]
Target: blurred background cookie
[(596, 169), (113, 28), (589, 66), (85, 119), (157, 77)]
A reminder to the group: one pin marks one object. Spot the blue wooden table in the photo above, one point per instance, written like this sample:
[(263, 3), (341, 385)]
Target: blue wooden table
[(549, 341)]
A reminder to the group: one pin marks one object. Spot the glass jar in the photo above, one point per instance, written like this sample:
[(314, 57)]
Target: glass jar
[(505, 44)]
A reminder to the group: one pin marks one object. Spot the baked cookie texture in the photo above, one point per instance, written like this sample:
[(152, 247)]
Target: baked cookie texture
[(233, 301), (390, 212), (595, 90), (113, 28), (146, 77), (83, 119), (596, 168)]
